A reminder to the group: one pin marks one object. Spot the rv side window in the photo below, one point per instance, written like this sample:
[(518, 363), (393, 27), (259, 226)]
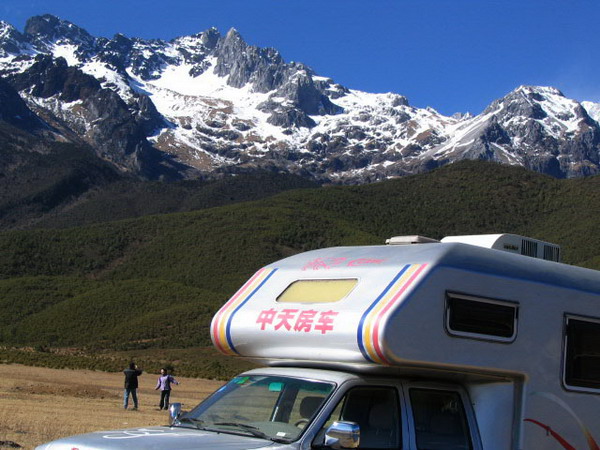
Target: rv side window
[(440, 420), (582, 360), (481, 318)]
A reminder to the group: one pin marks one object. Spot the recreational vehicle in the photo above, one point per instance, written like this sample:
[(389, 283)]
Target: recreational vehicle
[(468, 343)]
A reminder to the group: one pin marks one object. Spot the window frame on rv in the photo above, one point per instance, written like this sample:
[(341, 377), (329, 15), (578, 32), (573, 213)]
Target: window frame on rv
[(317, 290), (469, 330), (572, 350)]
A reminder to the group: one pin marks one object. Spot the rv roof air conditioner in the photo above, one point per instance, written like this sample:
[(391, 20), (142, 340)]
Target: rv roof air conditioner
[(511, 243), (409, 240)]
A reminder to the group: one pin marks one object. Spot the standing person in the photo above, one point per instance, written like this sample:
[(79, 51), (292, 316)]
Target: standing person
[(164, 384), (131, 385)]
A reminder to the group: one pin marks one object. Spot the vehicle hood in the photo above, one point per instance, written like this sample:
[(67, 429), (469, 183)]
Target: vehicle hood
[(156, 438)]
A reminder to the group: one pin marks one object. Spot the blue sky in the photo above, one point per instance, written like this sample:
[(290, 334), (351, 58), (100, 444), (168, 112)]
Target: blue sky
[(452, 55)]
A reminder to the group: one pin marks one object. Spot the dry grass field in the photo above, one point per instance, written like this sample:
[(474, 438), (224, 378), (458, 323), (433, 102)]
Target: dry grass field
[(38, 404)]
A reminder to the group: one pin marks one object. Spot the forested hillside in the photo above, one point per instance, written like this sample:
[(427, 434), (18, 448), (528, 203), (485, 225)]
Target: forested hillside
[(154, 281)]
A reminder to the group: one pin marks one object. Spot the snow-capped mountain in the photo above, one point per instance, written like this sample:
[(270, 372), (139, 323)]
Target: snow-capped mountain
[(209, 103), (535, 127)]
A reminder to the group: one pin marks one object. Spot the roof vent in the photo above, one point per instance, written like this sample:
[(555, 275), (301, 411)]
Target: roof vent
[(408, 240), (511, 243)]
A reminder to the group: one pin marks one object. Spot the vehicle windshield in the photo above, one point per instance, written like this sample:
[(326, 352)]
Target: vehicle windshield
[(269, 407)]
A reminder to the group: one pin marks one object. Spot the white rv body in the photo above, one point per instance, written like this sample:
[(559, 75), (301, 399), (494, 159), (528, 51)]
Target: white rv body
[(428, 345), (394, 322)]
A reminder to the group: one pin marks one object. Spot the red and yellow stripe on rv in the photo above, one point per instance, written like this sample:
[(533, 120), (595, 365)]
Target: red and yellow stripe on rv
[(372, 321), (220, 329)]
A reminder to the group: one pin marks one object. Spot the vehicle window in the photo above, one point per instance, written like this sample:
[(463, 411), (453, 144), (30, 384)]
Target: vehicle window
[(582, 361), (481, 318), (440, 420), (376, 410), (317, 291), (278, 407)]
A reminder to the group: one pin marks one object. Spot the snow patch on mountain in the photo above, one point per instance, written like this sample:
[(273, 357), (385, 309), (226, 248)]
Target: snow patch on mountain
[(593, 109), (67, 51), (206, 100)]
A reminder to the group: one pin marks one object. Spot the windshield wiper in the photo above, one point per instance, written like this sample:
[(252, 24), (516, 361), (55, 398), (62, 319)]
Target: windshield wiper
[(254, 431)]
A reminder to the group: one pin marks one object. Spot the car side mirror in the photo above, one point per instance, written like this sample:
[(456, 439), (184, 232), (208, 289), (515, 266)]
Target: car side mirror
[(174, 411), (342, 434)]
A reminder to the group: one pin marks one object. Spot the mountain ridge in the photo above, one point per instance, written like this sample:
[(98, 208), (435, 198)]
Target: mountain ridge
[(208, 103)]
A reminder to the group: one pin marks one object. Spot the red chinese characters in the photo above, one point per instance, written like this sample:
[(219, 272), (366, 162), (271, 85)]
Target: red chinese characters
[(328, 263), (297, 320), (284, 319), (325, 322), (305, 321)]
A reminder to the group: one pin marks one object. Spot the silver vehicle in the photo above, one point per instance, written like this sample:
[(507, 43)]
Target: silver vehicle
[(295, 408), (474, 342)]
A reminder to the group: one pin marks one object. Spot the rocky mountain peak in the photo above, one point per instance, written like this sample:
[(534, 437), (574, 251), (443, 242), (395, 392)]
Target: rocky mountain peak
[(534, 126), (546, 103), (50, 28), (12, 42), (6, 30), (210, 38), (46, 25), (462, 116), (538, 92), (244, 64), (49, 77), (233, 35), (530, 103), (49, 34)]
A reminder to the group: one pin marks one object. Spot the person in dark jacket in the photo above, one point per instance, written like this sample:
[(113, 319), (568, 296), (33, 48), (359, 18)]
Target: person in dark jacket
[(164, 384), (131, 385)]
